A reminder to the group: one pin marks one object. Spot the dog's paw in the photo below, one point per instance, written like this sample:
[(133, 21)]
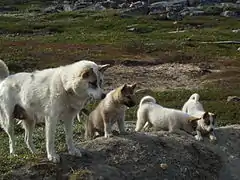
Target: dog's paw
[(75, 152), (13, 155), (108, 135), (54, 158), (115, 133), (198, 138)]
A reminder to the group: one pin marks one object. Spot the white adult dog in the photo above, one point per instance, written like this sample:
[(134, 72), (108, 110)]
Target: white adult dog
[(161, 118), (48, 95), (194, 108)]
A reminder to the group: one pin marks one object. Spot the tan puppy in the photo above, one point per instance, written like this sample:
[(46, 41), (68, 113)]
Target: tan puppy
[(110, 110)]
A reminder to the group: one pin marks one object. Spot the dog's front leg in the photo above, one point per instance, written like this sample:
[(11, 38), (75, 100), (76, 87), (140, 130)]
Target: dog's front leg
[(212, 136), (121, 125), (107, 130), (68, 127), (50, 128), (198, 136)]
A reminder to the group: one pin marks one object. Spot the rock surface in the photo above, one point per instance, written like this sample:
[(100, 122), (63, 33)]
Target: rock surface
[(150, 155)]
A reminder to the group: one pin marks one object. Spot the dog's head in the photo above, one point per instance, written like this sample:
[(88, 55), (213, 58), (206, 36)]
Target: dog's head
[(127, 95), (207, 122), (94, 80), (85, 78)]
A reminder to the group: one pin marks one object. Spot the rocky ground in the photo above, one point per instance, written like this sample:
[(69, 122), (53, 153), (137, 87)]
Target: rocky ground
[(151, 155), (157, 77)]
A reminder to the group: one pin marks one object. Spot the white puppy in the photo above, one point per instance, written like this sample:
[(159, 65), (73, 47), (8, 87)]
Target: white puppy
[(194, 108), (48, 95), (162, 118)]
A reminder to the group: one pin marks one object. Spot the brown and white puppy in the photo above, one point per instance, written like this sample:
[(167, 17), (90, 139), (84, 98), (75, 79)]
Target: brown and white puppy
[(109, 111), (206, 124)]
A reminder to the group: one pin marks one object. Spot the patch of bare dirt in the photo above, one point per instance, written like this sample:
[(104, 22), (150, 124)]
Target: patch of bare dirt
[(156, 77), (150, 155)]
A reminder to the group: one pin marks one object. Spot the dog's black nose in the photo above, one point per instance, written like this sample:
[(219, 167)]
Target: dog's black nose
[(103, 96), (211, 129)]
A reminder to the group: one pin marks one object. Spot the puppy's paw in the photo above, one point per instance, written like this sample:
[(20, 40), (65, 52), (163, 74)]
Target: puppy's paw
[(54, 158), (75, 152), (213, 138), (199, 138), (108, 135)]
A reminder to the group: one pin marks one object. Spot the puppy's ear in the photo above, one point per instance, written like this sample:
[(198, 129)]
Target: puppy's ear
[(214, 116), (123, 88), (206, 115), (103, 68), (133, 86), (87, 73)]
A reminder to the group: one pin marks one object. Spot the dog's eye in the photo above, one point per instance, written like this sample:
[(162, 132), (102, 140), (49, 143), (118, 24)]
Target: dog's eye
[(93, 84)]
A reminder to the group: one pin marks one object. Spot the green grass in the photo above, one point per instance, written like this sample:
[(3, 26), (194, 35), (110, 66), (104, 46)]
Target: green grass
[(109, 29)]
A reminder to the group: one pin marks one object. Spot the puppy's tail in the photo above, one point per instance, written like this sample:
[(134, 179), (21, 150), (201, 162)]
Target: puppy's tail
[(147, 99), (194, 97), (4, 72)]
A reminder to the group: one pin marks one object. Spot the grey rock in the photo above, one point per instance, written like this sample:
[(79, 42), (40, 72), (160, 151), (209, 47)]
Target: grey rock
[(233, 98), (229, 14), (197, 13), (8, 8), (96, 7), (81, 4), (142, 10), (53, 9)]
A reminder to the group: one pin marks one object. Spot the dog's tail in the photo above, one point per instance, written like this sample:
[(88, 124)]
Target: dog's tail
[(147, 99), (194, 97), (4, 72)]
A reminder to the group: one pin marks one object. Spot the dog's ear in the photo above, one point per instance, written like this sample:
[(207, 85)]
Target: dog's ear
[(87, 73), (103, 68), (133, 86), (205, 115), (123, 88)]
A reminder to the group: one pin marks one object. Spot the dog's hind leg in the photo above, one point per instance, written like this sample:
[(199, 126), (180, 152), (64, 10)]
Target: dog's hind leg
[(147, 126), (68, 127), (141, 121), (89, 129), (9, 129), (29, 125), (50, 128)]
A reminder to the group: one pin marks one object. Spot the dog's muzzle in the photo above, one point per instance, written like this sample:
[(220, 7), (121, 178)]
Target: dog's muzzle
[(130, 104), (211, 130)]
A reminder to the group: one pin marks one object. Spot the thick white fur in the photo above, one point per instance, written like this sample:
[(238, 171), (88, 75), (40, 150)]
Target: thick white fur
[(162, 118), (194, 108), (48, 95)]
